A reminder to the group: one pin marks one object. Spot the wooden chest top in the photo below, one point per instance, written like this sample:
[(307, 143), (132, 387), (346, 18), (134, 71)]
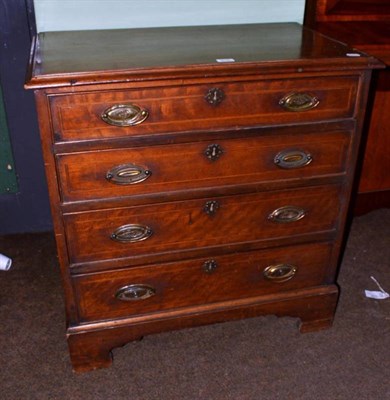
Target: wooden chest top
[(79, 57)]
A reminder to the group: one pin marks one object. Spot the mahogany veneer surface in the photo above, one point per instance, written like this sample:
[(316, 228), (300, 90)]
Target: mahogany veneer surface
[(365, 25), (225, 197)]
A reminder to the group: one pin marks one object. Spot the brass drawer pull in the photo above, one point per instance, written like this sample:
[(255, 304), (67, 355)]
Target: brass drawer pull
[(280, 272), (299, 102), (211, 207), (124, 115), (209, 266), (213, 152), (287, 214), (214, 96), (289, 159), (127, 174), (135, 292), (131, 233)]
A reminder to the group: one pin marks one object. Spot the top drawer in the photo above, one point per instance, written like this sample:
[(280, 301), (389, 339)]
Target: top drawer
[(137, 112)]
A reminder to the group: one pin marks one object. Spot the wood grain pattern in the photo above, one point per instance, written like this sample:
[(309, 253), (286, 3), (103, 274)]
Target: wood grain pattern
[(183, 167), (183, 108), (196, 209), (90, 345), (375, 175), (352, 10), (186, 284), (372, 37), (185, 225), (365, 25)]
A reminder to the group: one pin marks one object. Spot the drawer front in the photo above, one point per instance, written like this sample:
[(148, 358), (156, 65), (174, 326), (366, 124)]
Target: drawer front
[(201, 281), (84, 116), (156, 169), (201, 223)]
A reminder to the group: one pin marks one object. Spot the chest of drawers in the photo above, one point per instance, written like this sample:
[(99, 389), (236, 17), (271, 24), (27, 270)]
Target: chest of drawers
[(196, 175)]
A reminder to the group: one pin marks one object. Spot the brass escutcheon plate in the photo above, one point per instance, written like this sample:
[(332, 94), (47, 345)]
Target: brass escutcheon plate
[(214, 96)]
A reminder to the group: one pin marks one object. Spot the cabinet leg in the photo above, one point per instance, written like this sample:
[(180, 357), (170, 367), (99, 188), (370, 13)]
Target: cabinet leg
[(87, 354), (91, 350), (90, 347)]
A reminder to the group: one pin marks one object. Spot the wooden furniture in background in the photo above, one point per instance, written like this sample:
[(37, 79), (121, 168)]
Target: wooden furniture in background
[(196, 175), (365, 25)]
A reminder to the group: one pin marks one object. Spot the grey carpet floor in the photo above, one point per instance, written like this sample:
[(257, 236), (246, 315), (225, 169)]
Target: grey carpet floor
[(254, 359)]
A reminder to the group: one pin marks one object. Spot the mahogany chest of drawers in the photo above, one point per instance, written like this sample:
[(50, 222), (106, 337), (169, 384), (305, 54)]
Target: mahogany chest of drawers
[(196, 175)]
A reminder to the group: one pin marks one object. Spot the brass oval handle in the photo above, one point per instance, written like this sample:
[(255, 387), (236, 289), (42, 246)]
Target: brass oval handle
[(213, 152), (209, 266), (135, 292), (299, 102), (292, 158), (131, 233), (124, 115), (127, 174), (287, 214), (280, 272)]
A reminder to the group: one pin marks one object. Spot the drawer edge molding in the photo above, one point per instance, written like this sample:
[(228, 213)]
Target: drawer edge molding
[(209, 308), (97, 266)]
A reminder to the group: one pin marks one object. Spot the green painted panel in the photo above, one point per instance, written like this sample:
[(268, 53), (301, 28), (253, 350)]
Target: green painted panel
[(64, 15), (8, 181)]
